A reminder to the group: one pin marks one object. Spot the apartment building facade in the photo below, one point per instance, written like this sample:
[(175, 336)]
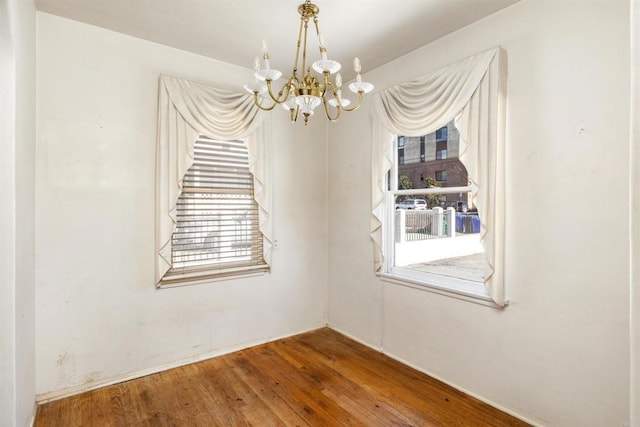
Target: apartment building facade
[(435, 156)]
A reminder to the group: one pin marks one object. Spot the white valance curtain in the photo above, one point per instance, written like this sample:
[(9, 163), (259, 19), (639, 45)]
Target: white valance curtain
[(187, 109), (473, 93)]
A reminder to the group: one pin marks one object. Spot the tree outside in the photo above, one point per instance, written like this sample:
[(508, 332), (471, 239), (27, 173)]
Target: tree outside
[(432, 199), (404, 183)]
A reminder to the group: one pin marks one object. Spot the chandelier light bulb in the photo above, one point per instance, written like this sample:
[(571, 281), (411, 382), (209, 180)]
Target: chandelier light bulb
[(338, 81), (265, 55), (357, 67)]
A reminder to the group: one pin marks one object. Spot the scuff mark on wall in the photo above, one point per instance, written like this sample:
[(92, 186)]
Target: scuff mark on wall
[(62, 359)]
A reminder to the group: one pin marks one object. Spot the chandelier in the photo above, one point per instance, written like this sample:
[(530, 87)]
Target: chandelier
[(302, 93)]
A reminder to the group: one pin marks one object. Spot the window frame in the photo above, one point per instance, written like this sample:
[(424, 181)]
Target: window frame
[(458, 288)]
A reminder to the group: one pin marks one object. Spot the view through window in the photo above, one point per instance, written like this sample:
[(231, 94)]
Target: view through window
[(436, 227)]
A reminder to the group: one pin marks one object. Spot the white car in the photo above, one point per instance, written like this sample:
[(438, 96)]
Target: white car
[(417, 204)]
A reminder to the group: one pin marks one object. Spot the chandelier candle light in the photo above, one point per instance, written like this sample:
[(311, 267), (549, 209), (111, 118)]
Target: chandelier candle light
[(304, 93)]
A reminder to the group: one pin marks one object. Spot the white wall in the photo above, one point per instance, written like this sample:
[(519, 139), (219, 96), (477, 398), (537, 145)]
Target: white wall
[(17, 209), (634, 161), (99, 314), (558, 355)]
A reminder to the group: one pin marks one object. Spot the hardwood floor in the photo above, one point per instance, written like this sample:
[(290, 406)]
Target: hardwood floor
[(320, 378)]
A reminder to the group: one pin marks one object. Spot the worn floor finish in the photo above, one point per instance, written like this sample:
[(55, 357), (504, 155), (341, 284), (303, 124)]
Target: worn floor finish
[(320, 378)]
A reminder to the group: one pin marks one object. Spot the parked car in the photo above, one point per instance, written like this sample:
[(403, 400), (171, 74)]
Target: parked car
[(417, 204)]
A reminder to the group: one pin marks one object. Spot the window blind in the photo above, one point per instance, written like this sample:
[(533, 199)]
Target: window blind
[(217, 216)]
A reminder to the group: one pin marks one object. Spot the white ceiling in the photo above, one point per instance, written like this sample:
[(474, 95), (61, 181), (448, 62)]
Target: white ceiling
[(232, 31)]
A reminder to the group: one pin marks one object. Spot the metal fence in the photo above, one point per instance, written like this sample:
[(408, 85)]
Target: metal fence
[(436, 223)]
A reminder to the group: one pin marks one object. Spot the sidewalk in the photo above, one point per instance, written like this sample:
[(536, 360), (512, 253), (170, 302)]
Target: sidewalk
[(461, 256), (469, 267)]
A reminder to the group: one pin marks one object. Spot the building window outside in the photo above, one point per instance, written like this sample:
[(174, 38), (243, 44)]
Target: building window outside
[(441, 176), (400, 160), (217, 230), (441, 134), (422, 148), (400, 142), (441, 154)]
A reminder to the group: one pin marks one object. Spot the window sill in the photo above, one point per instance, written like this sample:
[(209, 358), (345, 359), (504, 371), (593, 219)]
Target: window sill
[(454, 288), (173, 280)]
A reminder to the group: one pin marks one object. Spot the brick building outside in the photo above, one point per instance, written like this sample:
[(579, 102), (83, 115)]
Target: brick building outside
[(435, 156)]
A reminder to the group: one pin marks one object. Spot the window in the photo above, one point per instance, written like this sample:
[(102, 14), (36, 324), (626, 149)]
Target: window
[(441, 134), (422, 149), (441, 154), (481, 114), (441, 176), (438, 246), (216, 230), (400, 142)]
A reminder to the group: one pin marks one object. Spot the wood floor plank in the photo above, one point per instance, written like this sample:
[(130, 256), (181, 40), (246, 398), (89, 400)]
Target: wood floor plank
[(265, 390), (307, 402), (390, 394), (320, 378)]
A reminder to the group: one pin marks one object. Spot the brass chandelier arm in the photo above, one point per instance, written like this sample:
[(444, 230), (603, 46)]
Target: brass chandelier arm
[(328, 84), (259, 103), (284, 91), (326, 110), (355, 107)]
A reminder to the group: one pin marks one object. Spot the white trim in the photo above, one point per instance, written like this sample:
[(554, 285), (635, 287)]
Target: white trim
[(465, 290), (42, 398), (435, 190), (208, 276), (356, 339), (209, 280), (34, 412)]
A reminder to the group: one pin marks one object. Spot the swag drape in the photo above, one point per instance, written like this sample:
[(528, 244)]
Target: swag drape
[(187, 109), (472, 92)]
